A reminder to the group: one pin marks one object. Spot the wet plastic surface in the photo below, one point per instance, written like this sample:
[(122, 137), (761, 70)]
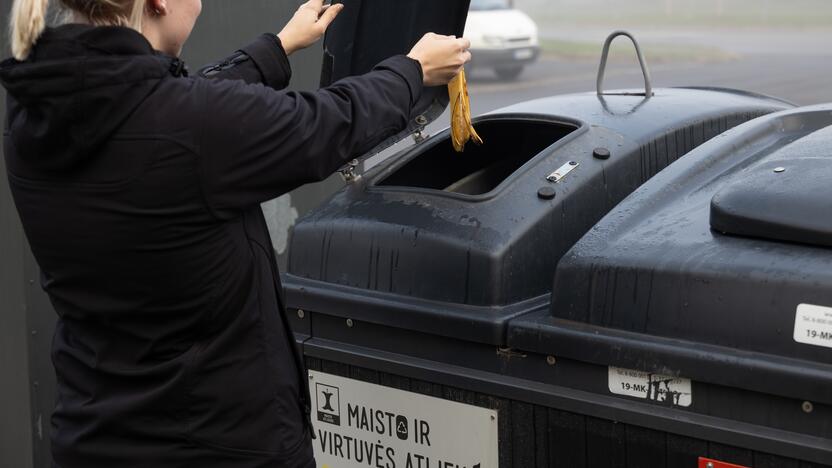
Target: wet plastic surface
[(470, 230), (653, 287), (413, 284)]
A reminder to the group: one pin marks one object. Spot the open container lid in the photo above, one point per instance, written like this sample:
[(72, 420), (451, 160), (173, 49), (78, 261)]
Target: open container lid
[(370, 31)]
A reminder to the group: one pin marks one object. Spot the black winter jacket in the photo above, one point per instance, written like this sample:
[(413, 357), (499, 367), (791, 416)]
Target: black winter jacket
[(139, 193)]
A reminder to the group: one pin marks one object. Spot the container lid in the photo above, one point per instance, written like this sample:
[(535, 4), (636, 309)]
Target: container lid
[(789, 200), (463, 250), (370, 31), (653, 287)]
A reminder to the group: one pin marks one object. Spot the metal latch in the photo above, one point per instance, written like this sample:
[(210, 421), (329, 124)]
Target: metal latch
[(509, 353), (350, 172), (421, 135), (562, 172)]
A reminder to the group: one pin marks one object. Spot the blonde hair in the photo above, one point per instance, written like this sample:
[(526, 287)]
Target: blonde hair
[(28, 18)]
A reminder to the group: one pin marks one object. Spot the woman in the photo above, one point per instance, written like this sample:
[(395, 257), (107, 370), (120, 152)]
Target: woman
[(139, 191)]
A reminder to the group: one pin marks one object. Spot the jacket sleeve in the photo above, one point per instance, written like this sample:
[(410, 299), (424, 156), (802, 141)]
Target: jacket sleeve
[(263, 61), (258, 144)]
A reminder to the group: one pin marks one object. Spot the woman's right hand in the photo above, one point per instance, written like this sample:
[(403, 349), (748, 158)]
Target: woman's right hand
[(442, 57), (308, 25)]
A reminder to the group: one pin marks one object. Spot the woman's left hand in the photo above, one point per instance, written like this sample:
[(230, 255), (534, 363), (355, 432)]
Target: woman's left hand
[(308, 25)]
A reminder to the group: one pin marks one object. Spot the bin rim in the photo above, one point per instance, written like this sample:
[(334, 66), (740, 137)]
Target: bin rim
[(383, 171)]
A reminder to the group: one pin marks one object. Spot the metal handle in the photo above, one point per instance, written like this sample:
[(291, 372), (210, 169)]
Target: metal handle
[(648, 86)]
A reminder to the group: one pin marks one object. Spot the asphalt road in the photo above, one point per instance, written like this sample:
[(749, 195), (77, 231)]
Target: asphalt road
[(798, 78), (792, 65)]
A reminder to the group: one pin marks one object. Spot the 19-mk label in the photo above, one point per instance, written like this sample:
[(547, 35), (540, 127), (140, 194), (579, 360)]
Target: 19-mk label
[(813, 325), (821, 335), (668, 390)]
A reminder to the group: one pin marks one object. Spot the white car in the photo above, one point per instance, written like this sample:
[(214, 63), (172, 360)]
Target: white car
[(501, 38)]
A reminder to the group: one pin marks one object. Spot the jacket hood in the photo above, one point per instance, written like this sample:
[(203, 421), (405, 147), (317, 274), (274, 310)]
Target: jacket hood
[(77, 87)]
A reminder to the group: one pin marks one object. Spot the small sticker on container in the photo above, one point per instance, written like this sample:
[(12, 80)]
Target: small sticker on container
[(664, 389), (709, 463), (813, 325)]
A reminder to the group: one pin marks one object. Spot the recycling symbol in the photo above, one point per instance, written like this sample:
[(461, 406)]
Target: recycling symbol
[(401, 427)]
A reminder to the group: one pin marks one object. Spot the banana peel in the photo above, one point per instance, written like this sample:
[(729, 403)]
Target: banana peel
[(461, 128)]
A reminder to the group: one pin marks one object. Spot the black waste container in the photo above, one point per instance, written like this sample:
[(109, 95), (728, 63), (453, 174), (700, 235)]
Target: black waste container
[(403, 289), (708, 292)]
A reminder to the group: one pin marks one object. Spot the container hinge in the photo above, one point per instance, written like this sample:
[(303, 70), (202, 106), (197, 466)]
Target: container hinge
[(350, 172), (420, 136), (509, 353)]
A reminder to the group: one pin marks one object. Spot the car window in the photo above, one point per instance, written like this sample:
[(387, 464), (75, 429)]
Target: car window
[(482, 5)]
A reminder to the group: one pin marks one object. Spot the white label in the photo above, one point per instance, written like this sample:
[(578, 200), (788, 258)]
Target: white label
[(358, 424), (813, 325), (664, 389)]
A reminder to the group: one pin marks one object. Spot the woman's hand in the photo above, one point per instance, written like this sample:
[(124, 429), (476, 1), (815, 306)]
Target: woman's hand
[(442, 57), (308, 25)]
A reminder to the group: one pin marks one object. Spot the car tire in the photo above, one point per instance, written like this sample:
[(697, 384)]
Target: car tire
[(508, 73)]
